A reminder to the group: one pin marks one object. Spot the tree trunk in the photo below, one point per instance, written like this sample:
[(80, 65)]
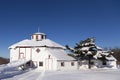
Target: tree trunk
[(78, 64), (89, 62)]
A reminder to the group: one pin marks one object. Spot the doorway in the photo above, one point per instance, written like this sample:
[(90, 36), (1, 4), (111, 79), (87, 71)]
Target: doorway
[(49, 64)]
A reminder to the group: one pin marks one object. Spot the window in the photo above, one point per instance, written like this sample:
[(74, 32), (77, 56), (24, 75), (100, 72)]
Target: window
[(49, 56), (62, 64), (104, 63), (37, 50), (72, 63), (92, 63), (42, 37), (36, 37), (40, 63)]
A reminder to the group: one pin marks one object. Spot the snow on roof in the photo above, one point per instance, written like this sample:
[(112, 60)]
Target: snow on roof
[(111, 58), (17, 63), (60, 54), (33, 43), (100, 53), (39, 33), (13, 64)]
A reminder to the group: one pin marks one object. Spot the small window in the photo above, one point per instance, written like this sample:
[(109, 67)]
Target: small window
[(92, 63), (62, 64), (42, 37), (49, 56), (37, 50), (72, 63), (40, 63), (104, 63), (36, 37)]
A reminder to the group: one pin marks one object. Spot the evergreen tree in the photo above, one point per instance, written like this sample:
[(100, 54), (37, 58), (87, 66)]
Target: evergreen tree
[(84, 50), (88, 50)]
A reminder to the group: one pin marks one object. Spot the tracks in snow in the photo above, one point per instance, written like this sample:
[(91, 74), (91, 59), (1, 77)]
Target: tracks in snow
[(31, 75)]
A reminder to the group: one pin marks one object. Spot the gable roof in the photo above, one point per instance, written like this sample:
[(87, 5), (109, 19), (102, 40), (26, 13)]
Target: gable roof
[(59, 54), (33, 43)]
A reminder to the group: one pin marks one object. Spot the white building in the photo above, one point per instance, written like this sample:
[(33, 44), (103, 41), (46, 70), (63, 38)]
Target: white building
[(42, 53), (46, 54)]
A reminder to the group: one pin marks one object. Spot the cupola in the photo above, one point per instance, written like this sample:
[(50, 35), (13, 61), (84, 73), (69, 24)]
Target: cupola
[(38, 36)]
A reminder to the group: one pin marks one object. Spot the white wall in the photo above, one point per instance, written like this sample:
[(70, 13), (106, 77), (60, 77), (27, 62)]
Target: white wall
[(14, 54), (48, 63), (43, 56), (67, 65), (112, 64), (84, 64), (27, 53)]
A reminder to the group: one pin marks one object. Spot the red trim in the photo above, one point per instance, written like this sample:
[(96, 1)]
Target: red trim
[(31, 54), (19, 54), (36, 37), (28, 46), (25, 54), (24, 46)]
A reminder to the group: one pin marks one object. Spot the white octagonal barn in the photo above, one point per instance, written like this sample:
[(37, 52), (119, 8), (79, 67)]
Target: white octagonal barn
[(42, 53)]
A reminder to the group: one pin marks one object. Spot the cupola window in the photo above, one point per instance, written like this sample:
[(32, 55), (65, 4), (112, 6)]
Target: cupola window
[(42, 37), (36, 37)]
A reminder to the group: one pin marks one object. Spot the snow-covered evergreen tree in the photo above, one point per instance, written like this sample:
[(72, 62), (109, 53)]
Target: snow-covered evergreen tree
[(88, 50)]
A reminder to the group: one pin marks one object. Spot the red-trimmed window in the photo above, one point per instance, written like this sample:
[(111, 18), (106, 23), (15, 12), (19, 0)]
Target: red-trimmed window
[(36, 37)]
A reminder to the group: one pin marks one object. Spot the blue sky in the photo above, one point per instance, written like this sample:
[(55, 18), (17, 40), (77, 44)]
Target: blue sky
[(64, 21)]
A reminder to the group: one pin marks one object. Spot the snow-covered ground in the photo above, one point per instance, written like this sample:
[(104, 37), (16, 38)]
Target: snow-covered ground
[(83, 75), (11, 72), (100, 74)]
